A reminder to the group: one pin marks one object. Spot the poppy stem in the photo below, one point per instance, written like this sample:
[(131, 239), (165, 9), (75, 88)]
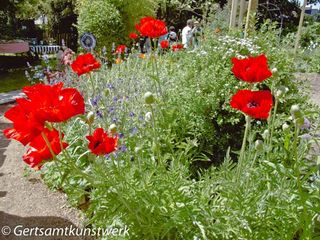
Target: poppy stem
[(49, 145), (92, 84), (272, 123), (243, 147), (74, 167)]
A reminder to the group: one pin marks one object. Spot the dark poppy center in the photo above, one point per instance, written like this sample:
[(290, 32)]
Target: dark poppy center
[(252, 104), (96, 144)]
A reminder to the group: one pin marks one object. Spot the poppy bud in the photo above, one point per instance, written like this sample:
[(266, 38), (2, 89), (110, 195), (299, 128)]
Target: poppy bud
[(90, 118), (285, 127), (137, 149), (265, 134), (113, 128), (281, 91), (149, 98), (299, 121), (106, 92), (258, 145), (295, 111), (148, 116), (274, 70)]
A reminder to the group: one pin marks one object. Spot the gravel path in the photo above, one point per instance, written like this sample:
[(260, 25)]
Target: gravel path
[(26, 200)]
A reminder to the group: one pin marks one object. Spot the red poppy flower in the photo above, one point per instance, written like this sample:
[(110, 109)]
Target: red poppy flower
[(84, 64), (150, 27), (133, 36), (177, 47), (121, 49), (256, 104), (54, 104), (26, 123), (100, 143), (40, 152), (251, 69), (164, 44)]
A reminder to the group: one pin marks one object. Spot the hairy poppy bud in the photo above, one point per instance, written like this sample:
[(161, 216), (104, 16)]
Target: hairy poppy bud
[(148, 116), (107, 92), (285, 127), (295, 112), (113, 128), (281, 91), (265, 134), (149, 98), (258, 145), (274, 70), (90, 118)]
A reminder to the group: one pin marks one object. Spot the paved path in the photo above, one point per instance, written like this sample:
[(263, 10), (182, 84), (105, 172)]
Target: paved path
[(26, 200), (10, 96)]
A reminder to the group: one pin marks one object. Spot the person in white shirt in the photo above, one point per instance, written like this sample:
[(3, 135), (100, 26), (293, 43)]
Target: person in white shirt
[(187, 34)]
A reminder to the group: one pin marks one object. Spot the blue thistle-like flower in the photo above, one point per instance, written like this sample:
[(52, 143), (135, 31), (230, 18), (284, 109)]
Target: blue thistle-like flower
[(99, 114), (94, 101), (134, 130)]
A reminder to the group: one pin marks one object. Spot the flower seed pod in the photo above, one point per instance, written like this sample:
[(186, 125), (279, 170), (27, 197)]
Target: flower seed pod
[(149, 98), (113, 128), (90, 118), (258, 145)]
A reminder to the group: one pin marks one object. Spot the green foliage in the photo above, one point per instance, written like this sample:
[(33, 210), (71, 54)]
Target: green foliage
[(157, 183), (100, 18), (111, 21)]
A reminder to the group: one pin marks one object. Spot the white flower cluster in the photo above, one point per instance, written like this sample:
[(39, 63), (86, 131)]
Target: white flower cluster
[(234, 46), (313, 45)]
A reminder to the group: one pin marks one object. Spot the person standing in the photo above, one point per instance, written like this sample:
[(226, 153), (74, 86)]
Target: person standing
[(196, 34), (172, 36), (187, 34)]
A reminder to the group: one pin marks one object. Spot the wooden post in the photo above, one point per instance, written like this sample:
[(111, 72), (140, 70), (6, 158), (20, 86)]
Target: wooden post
[(303, 9), (231, 14), (241, 13), (234, 16), (248, 18)]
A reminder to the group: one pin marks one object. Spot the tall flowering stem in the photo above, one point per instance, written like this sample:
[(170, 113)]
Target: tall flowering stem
[(273, 123), (243, 146)]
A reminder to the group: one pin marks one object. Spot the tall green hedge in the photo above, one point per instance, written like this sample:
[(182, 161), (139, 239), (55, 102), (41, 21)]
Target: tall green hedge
[(112, 20)]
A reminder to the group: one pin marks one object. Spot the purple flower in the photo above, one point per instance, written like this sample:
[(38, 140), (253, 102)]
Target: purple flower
[(141, 118), (120, 135), (114, 120), (94, 101), (306, 125), (134, 130), (123, 148), (131, 114), (306, 137), (110, 86), (99, 114), (111, 109)]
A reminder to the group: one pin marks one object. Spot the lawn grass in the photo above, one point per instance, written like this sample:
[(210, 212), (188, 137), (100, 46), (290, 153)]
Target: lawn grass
[(12, 80)]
